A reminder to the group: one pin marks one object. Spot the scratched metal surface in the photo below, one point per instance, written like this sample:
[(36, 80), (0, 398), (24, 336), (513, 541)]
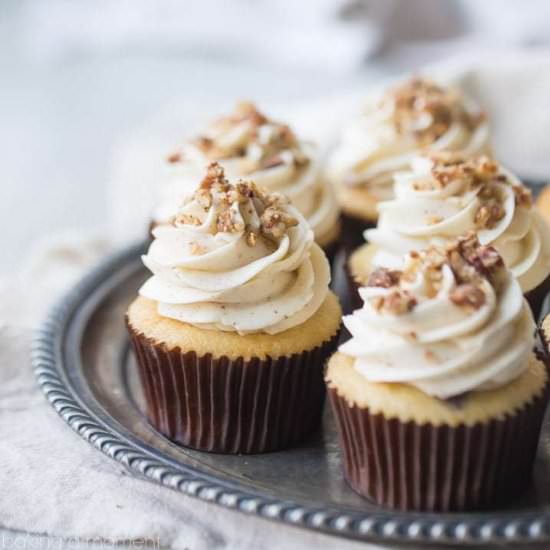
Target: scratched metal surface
[(84, 366)]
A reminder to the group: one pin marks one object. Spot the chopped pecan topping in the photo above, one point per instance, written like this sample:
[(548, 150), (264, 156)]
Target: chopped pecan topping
[(275, 199), (479, 174), (466, 244), (466, 254), (489, 214), (384, 278), (430, 261), (247, 190), (204, 143), (246, 110), (234, 203), (426, 111), (472, 264), (204, 198), (234, 195), (524, 197), (397, 302), (468, 295), (275, 222), (463, 270), (451, 166), (186, 219), (175, 157), (258, 142), (225, 222), (434, 257), (215, 177), (488, 259), (209, 148), (251, 238)]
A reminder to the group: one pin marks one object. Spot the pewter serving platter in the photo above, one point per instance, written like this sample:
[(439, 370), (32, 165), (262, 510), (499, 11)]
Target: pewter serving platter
[(84, 366)]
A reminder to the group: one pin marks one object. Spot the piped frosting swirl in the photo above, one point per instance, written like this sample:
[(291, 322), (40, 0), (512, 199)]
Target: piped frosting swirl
[(250, 145), (445, 195), (235, 258), (416, 115), (452, 320)]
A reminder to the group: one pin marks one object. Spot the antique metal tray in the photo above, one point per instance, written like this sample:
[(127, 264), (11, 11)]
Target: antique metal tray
[(84, 366)]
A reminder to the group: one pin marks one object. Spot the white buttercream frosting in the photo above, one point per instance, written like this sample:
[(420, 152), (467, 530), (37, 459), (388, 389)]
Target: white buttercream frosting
[(248, 144), (446, 195), (416, 115), (236, 259), (454, 320)]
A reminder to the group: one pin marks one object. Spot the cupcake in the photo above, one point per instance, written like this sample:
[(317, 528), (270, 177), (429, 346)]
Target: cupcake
[(438, 396), (232, 331), (543, 203), (446, 195), (247, 144), (416, 115)]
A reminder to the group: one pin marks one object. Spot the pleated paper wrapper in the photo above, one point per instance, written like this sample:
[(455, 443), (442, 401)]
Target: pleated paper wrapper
[(424, 467), (232, 405)]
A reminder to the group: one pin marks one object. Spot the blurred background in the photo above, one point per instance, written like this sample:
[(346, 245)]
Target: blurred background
[(78, 77)]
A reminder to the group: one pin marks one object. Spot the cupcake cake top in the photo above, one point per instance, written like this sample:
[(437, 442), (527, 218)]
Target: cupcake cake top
[(415, 115), (448, 194), (452, 320), (236, 258), (248, 144)]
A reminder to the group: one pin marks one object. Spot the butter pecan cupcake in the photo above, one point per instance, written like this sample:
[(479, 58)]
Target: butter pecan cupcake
[(413, 116), (247, 144), (232, 330), (446, 195), (438, 396), (543, 203)]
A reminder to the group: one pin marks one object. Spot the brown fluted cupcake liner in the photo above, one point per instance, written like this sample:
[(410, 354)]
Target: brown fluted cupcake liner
[(352, 232), (232, 405), (353, 298), (331, 250), (407, 466), (536, 296)]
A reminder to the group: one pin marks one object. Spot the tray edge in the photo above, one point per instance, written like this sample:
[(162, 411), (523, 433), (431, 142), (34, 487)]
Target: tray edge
[(402, 528)]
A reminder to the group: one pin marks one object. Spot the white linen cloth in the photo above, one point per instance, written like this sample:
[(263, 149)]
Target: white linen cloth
[(55, 483)]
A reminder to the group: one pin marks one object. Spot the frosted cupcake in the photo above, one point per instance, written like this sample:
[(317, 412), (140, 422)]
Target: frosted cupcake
[(543, 203), (438, 396), (232, 330), (416, 115), (247, 144), (446, 195)]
